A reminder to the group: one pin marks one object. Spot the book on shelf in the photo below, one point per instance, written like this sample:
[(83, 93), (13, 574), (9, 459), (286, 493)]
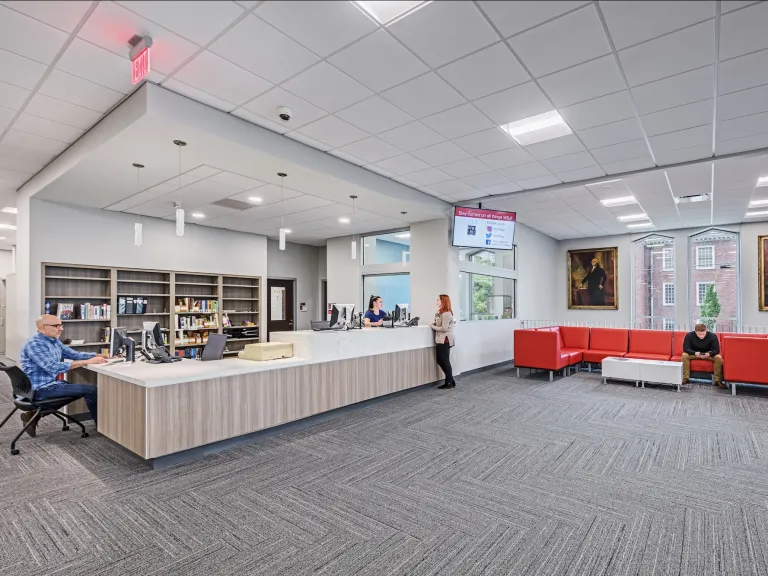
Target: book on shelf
[(90, 311), (196, 322), (65, 311), (196, 305)]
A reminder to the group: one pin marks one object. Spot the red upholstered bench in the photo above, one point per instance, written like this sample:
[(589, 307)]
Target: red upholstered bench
[(742, 359), (650, 344), (552, 348), (605, 343)]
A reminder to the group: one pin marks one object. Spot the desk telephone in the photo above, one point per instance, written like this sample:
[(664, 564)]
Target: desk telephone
[(159, 355)]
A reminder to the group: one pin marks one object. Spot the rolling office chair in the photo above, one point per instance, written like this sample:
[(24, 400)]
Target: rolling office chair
[(23, 399)]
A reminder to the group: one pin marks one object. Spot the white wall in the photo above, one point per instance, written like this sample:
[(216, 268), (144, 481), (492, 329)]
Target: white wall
[(343, 273), (300, 263), (6, 263), (434, 267), (538, 283)]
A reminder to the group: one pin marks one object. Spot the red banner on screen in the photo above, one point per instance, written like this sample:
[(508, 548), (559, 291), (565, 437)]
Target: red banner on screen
[(485, 214)]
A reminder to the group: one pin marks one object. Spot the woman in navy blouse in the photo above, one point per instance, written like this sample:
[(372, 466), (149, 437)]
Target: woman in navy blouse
[(375, 315)]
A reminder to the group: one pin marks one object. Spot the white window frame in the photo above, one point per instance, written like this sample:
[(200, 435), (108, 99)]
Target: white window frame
[(664, 293), (700, 300), (698, 259), (669, 324), (668, 257)]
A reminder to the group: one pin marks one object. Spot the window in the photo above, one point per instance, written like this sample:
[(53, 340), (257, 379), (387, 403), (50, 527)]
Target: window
[(391, 248), (669, 294), (484, 297), (668, 258), (701, 291), (495, 258), (394, 289), (669, 323), (705, 257)]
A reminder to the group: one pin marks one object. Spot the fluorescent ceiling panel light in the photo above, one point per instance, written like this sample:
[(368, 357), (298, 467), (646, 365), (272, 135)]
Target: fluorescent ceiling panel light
[(755, 203), (2, 237), (403, 235), (198, 215), (762, 181), (386, 12), (7, 227), (343, 220), (605, 182), (758, 213), (633, 217), (641, 225), (287, 230), (10, 210), (622, 201), (692, 199), (537, 128), (254, 199)]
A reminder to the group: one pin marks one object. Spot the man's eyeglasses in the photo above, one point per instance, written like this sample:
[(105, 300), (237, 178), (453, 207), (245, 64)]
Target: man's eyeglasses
[(59, 325)]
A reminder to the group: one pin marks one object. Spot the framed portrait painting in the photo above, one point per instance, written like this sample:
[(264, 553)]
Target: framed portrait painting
[(762, 270), (592, 277)]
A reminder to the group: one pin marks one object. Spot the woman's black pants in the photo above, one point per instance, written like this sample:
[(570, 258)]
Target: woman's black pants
[(443, 353)]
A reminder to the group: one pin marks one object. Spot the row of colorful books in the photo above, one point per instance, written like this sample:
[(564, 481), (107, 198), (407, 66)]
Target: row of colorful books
[(86, 311), (196, 322), (194, 305)]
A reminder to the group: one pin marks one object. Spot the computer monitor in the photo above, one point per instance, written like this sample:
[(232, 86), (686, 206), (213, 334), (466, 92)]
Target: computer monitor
[(151, 336), (344, 313), (214, 347), (401, 314), (118, 341)]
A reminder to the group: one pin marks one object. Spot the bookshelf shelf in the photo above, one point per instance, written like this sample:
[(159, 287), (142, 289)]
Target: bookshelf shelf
[(135, 294), (147, 314), (78, 278), (121, 280), (195, 313), (197, 284), (242, 312), (99, 297), (248, 299), (88, 320)]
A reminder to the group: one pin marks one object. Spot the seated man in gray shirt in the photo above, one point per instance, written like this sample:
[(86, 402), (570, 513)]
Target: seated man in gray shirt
[(702, 345)]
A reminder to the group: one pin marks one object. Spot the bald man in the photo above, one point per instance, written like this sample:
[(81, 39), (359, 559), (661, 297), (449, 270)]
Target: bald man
[(44, 357)]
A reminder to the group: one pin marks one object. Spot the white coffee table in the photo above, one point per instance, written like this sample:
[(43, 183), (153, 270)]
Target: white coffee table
[(642, 371)]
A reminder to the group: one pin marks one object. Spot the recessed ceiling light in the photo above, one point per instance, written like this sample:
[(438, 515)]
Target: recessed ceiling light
[(403, 235), (388, 11), (622, 201), (692, 199), (2, 237), (7, 227), (254, 199), (641, 225), (537, 128), (198, 215), (633, 217), (759, 213), (762, 181), (10, 210), (344, 220), (758, 203), (287, 230), (605, 182)]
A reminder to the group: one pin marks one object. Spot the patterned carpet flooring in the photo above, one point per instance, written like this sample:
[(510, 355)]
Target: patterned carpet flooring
[(498, 476)]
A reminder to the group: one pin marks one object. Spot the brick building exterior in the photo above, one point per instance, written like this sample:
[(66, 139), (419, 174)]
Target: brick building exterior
[(652, 271), (724, 275)]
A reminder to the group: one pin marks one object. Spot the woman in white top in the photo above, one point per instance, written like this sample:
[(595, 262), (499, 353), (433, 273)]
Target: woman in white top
[(442, 325)]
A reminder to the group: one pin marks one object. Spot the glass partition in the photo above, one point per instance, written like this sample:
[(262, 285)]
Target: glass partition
[(484, 297), (496, 258), (393, 289), (390, 248)]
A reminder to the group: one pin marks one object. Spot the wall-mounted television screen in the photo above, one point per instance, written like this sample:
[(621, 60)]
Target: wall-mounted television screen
[(481, 228)]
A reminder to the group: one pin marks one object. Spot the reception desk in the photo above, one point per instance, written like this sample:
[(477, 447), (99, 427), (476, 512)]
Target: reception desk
[(156, 410)]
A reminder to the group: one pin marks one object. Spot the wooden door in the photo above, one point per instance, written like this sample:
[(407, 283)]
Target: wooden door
[(280, 306)]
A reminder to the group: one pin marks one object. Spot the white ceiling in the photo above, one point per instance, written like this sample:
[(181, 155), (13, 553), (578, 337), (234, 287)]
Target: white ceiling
[(642, 84)]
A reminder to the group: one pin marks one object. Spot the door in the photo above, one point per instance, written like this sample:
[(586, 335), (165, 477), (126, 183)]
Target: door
[(280, 307)]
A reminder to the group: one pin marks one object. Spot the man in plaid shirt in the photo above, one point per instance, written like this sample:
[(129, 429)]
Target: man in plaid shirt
[(44, 357)]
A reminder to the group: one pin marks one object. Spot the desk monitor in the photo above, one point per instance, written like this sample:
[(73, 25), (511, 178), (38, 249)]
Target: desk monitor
[(151, 336), (343, 315), (214, 347), (118, 341), (401, 314)]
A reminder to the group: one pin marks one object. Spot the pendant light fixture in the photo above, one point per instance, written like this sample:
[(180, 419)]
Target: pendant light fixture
[(281, 242), (354, 243), (137, 228), (179, 209)]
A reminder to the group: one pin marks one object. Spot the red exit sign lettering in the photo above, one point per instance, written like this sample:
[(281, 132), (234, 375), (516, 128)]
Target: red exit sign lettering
[(140, 66)]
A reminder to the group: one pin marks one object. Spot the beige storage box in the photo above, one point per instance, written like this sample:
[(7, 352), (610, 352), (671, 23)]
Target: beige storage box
[(267, 351)]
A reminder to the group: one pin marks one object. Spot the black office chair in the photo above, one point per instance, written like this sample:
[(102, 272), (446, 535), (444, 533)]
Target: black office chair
[(23, 399)]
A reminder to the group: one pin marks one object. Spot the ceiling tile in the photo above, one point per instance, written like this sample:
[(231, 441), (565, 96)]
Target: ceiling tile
[(506, 158), (424, 96), (698, 136), (429, 176), (458, 121), (569, 162), (198, 21), (486, 179), (12, 97), (467, 196), (679, 118), (62, 112), (675, 91), (333, 131), (267, 104), (27, 37), (555, 147), (451, 187), (562, 43), (743, 72), (372, 150), (62, 15), (236, 180), (253, 45), (463, 168), (603, 110), (514, 17), (378, 62), (6, 115), (280, 128), (20, 71), (628, 165), (485, 72), (500, 189), (403, 164), (580, 174), (411, 136), (744, 103), (110, 26), (525, 171), (327, 87), (88, 61), (441, 154), (683, 154), (47, 129), (616, 133), (485, 142), (631, 22), (743, 144), (673, 54), (539, 182), (583, 82), (32, 142), (741, 127), (731, 5), (199, 95), (375, 115), (17, 152), (444, 31), (221, 78), (616, 152), (514, 104), (743, 31), (80, 92)]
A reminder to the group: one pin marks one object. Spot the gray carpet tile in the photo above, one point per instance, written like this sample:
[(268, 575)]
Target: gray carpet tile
[(499, 476)]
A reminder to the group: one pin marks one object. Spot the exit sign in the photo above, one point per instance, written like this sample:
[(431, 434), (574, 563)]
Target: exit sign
[(140, 66)]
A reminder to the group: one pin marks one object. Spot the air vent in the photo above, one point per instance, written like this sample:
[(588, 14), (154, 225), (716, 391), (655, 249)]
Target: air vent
[(233, 204)]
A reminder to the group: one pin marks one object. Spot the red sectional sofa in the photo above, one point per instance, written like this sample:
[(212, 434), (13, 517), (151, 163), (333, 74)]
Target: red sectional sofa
[(606, 342), (744, 353), (552, 348), (650, 345)]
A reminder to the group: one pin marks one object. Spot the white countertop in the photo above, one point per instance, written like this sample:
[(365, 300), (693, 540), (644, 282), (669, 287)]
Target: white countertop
[(308, 348)]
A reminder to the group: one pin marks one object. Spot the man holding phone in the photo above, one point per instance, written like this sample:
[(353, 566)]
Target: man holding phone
[(702, 345)]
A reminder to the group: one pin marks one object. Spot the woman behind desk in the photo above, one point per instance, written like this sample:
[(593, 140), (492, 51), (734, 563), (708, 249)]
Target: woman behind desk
[(375, 315), (444, 338)]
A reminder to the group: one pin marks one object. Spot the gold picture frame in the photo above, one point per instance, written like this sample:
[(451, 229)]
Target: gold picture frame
[(762, 269), (593, 287)]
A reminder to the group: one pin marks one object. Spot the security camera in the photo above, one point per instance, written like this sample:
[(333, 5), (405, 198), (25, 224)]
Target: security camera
[(285, 113)]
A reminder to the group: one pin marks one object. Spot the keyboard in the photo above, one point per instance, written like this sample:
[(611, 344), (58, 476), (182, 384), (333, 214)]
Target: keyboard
[(115, 360)]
